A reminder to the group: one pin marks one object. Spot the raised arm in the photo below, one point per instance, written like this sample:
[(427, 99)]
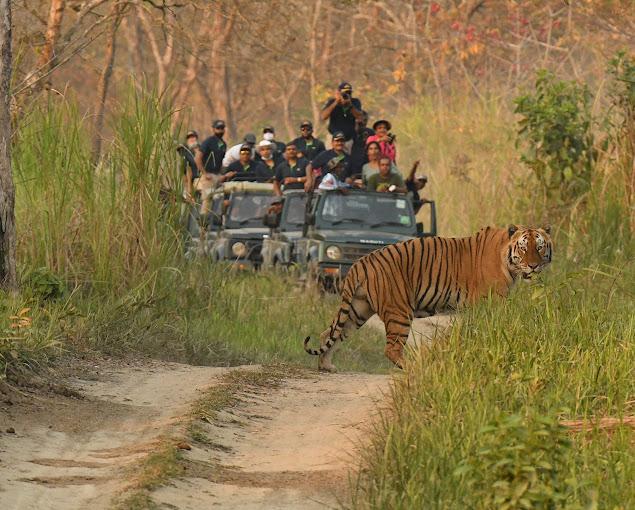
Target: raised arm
[(330, 106)]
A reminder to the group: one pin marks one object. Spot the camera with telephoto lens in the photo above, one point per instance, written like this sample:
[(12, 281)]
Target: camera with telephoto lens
[(346, 96), (391, 137)]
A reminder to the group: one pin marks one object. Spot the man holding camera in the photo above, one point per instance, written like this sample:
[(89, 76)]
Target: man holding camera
[(341, 112)]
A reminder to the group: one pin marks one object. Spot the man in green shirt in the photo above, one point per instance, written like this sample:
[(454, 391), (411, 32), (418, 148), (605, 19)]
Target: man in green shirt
[(386, 181)]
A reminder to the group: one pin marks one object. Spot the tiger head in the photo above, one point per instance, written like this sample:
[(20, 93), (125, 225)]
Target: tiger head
[(529, 250)]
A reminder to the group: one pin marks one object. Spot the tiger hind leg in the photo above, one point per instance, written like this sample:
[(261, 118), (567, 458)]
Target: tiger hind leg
[(397, 330), (358, 313)]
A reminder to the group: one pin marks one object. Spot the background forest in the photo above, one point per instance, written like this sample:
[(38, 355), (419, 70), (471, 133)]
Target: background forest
[(252, 62)]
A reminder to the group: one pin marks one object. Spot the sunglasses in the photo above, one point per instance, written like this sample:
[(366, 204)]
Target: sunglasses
[(219, 127), (305, 127)]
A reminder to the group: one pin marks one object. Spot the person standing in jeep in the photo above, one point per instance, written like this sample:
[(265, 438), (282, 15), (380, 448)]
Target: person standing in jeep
[(317, 168), (307, 145), (290, 173), (341, 112), (214, 148), (358, 151)]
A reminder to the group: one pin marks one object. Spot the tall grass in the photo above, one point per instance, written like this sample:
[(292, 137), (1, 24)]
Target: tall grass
[(467, 149), (101, 256), (101, 225), (561, 350)]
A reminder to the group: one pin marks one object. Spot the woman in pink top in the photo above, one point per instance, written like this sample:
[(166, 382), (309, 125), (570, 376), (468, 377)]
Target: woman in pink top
[(385, 139)]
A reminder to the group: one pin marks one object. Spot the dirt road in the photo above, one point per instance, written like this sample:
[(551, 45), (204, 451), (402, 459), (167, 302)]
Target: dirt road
[(291, 447), (79, 443), (72, 450)]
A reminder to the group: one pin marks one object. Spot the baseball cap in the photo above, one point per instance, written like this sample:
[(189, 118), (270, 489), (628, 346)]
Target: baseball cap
[(250, 138), (333, 162), (264, 143), (218, 124), (338, 135), (345, 86), (268, 129), (191, 132), (306, 123), (245, 146)]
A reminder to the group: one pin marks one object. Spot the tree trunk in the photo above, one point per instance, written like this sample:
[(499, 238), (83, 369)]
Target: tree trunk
[(8, 278), (46, 60), (190, 75), (222, 106), (104, 81), (315, 109), (163, 59)]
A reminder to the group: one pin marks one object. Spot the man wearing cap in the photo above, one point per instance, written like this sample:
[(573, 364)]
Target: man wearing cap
[(269, 134), (334, 179), (306, 144), (233, 153), (192, 162), (291, 173), (358, 151), (341, 112), (246, 168), (268, 158), (317, 168), (385, 139), (214, 147)]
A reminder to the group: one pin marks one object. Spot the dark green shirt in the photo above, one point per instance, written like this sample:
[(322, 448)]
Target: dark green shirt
[(378, 183)]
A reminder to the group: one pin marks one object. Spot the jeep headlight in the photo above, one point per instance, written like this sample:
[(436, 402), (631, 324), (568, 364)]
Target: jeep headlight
[(333, 252), (239, 249)]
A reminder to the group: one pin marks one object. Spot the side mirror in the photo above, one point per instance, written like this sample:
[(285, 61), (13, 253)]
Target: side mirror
[(271, 220), (420, 229)]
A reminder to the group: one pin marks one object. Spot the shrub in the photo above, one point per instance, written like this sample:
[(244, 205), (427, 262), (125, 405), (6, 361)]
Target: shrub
[(517, 467), (555, 129)]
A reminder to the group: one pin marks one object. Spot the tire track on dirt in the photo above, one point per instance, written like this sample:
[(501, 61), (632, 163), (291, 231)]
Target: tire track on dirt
[(293, 447)]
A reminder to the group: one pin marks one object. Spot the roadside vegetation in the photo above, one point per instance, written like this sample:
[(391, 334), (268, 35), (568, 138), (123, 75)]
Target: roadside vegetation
[(102, 264), (530, 402)]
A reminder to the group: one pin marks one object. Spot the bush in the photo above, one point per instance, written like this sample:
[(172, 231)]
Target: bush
[(555, 129), (518, 464)]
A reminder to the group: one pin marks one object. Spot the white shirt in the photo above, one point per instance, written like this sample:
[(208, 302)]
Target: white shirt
[(330, 182)]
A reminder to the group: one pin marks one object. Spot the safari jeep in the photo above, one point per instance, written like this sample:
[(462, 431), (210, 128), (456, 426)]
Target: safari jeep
[(286, 226), (239, 230), (343, 227)]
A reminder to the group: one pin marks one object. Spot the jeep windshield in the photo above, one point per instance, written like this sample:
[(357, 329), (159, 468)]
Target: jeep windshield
[(294, 210), (369, 211), (248, 210)]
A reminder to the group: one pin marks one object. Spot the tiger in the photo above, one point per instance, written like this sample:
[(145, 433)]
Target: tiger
[(423, 276)]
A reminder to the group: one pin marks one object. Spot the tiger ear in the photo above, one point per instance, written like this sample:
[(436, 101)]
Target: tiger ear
[(511, 230), (547, 228)]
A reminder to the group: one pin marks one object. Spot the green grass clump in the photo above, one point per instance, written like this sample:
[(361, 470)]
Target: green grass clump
[(509, 370)]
